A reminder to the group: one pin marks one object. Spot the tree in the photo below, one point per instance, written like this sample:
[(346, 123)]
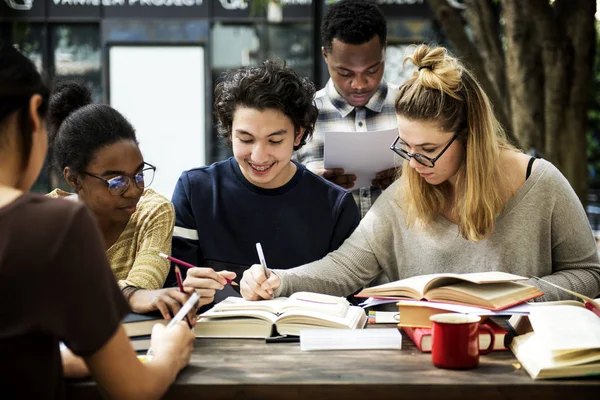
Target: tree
[(534, 58)]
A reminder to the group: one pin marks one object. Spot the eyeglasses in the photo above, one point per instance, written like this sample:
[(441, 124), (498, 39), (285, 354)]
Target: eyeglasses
[(119, 184), (420, 158)]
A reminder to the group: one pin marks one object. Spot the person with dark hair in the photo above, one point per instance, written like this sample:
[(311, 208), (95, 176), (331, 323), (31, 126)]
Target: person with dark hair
[(95, 148), (467, 201), (259, 195), (55, 279), (356, 97)]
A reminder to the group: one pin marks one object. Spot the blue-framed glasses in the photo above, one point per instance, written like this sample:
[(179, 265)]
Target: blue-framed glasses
[(420, 158), (119, 184)]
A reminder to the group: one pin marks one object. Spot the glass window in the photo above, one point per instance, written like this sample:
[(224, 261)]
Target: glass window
[(77, 54)]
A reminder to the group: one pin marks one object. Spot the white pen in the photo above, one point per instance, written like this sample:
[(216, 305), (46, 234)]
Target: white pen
[(263, 262), (183, 311)]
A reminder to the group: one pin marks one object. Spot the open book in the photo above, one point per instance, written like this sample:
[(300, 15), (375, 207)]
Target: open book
[(238, 318), (492, 290), (565, 342)]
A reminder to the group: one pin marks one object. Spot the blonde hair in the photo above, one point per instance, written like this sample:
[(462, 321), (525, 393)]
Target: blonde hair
[(443, 91)]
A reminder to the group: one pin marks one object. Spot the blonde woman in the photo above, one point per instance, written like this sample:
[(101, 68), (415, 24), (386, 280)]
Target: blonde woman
[(467, 201)]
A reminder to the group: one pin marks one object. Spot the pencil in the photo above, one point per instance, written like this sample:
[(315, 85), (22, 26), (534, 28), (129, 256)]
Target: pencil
[(188, 265)]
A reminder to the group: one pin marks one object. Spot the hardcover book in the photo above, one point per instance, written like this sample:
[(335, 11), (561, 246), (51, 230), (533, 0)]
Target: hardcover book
[(422, 337), (492, 290), (235, 317), (141, 324)]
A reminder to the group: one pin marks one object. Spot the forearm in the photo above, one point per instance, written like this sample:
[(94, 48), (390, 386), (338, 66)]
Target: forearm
[(340, 273), (121, 375), (73, 366), (585, 281)]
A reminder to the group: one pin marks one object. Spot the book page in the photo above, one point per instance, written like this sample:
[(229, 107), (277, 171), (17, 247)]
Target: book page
[(291, 322), (417, 286), (410, 287), (564, 328), (238, 303), (257, 314), (321, 303)]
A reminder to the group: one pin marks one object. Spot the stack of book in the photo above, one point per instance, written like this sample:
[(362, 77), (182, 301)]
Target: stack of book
[(484, 294), (139, 327)]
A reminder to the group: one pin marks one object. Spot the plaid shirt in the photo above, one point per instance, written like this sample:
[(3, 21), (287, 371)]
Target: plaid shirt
[(335, 114)]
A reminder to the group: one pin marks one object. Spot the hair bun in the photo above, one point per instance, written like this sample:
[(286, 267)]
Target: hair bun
[(67, 96)]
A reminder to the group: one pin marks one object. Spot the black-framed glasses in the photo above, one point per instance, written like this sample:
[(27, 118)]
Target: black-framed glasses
[(421, 159), (119, 184)]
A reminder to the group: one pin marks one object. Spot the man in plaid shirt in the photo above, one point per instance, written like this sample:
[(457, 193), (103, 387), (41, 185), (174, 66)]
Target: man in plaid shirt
[(356, 97)]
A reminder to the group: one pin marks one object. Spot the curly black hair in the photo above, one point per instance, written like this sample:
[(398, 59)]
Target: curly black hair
[(353, 22), (19, 80), (271, 85), (77, 128)]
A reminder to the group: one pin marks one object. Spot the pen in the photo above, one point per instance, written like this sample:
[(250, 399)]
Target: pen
[(588, 302), (179, 280), (188, 265), (263, 262), (183, 311)]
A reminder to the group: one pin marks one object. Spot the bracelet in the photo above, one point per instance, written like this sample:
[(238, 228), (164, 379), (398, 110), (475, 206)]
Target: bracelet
[(128, 291)]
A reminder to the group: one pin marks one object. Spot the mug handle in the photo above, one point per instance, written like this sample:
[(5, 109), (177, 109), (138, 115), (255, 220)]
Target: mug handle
[(492, 339)]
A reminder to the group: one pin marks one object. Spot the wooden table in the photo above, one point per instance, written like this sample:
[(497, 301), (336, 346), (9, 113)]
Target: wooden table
[(252, 369)]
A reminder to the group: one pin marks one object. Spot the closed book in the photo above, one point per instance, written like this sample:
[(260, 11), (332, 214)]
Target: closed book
[(415, 314), (492, 289), (235, 317), (141, 324), (422, 337), (140, 343)]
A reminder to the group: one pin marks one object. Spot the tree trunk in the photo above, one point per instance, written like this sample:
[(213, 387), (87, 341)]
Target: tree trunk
[(578, 16), (524, 76), (548, 61), (454, 27)]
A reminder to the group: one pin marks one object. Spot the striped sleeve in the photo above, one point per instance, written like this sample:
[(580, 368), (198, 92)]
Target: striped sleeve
[(185, 233)]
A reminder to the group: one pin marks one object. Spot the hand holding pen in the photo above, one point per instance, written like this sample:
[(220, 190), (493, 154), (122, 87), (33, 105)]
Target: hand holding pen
[(258, 281), (189, 306), (203, 280)]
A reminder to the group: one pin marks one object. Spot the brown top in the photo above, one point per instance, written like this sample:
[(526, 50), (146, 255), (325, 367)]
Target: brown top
[(55, 285), (134, 256)]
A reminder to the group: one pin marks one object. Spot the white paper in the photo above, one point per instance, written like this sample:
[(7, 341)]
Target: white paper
[(360, 153), (350, 339), (566, 327)]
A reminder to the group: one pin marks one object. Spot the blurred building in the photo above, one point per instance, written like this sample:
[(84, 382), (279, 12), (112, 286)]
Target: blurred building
[(157, 61)]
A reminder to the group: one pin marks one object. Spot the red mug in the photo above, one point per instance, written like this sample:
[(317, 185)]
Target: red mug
[(455, 340)]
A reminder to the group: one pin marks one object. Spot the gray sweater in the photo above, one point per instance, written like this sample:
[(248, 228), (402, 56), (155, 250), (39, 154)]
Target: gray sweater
[(543, 231)]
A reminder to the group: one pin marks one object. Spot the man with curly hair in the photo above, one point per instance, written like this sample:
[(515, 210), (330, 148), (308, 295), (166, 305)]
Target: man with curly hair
[(356, 97), (259, 195)]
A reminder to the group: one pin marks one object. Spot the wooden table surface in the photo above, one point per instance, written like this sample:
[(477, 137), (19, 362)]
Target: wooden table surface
[(252, 369)]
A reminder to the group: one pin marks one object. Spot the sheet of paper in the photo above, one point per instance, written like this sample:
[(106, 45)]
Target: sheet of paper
[(566, 327), (360, 153)]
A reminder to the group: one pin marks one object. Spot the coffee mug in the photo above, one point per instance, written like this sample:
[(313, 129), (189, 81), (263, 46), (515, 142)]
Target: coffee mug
[(455, 340)]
